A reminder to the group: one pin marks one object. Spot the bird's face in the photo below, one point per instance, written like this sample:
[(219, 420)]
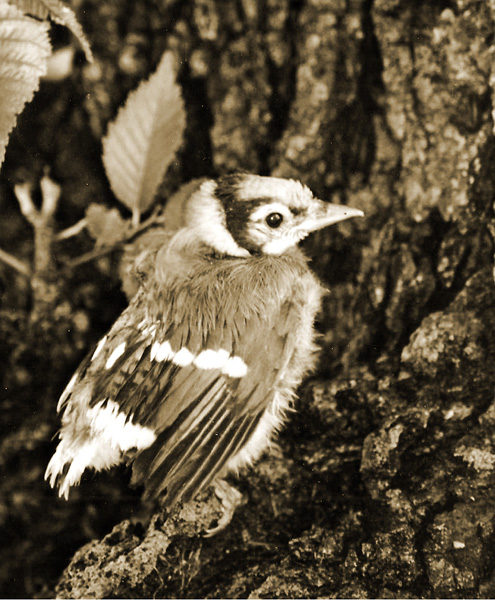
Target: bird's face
[(251, 214)]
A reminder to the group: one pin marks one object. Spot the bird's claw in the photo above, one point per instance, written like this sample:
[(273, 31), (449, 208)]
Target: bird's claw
[(231, 498)]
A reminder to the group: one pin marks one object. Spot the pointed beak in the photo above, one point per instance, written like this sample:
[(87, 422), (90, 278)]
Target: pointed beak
[(325, 214)]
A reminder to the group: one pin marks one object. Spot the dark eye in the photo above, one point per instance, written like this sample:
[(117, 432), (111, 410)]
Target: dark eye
[(274, 220)]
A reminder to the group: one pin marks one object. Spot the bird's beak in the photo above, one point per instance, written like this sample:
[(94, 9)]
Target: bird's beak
[(325, 214)]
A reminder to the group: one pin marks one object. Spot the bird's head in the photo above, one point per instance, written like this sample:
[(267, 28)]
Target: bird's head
[(243, 214)]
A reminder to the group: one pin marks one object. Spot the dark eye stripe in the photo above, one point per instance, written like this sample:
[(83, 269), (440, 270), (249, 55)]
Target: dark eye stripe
[(296, 210)]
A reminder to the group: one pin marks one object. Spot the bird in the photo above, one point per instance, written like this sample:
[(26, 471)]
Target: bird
[(199, 372)]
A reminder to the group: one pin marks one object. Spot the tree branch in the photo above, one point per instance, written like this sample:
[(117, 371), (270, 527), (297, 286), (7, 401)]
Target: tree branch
[(16, 264)]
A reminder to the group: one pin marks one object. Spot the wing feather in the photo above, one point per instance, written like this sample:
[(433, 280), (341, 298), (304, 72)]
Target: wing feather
[(201, 417), (196, 460), (192, 432), (170, 483), (218, 456), (111, 380)]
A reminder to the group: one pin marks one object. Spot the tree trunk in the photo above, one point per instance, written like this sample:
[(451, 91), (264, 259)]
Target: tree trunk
[(384, 483)]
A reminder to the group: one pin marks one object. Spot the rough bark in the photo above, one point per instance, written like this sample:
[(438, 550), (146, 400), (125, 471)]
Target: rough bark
[(384, 483)]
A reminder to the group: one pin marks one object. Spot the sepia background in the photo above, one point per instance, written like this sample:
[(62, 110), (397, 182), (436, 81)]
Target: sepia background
[(383, 484)]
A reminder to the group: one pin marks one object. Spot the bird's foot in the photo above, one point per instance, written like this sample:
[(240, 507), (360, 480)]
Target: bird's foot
[(231, 498)]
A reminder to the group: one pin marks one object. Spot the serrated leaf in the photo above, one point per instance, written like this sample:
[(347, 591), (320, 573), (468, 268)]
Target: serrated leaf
[(34, 8), (24, 50), (144, 138), (58, 12), (105, 225)]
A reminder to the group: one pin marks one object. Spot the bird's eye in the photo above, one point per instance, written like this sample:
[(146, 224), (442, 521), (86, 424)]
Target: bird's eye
[(274, 220)]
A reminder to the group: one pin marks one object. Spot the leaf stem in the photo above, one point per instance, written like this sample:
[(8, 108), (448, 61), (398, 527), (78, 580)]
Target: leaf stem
[(136, 217), (154, 219)]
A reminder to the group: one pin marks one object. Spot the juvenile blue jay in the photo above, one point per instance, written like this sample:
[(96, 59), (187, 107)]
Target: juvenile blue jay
[(197, 374)]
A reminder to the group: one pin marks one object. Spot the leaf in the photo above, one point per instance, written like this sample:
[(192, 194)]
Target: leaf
[(105, 225), (24, 50), (144, 138), (58, 12)]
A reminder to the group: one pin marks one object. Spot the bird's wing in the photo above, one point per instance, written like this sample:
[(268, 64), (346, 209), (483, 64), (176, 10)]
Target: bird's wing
[(185, 404)]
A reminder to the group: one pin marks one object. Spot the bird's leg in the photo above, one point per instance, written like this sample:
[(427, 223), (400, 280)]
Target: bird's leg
[(230, 498)]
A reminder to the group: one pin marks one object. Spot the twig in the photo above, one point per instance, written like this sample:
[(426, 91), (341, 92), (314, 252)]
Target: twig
[(43, 276), (154, 219), (72, 230), (20, 266), (91, 255), (28, 209), (50, 193)]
